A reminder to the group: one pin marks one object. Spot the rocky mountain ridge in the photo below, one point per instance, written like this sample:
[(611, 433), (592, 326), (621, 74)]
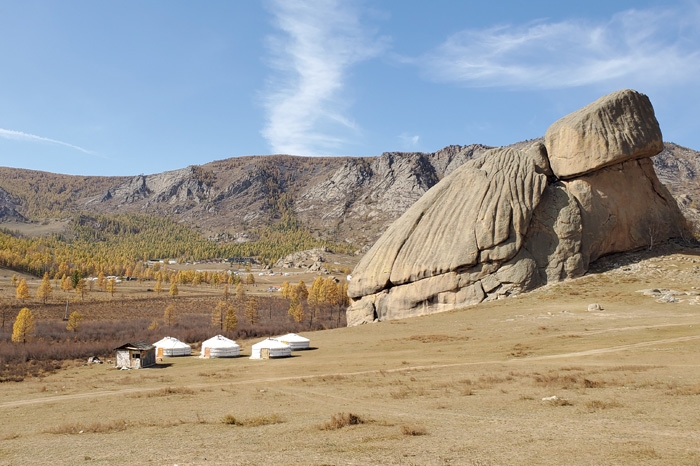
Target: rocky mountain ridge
[(350, 199)]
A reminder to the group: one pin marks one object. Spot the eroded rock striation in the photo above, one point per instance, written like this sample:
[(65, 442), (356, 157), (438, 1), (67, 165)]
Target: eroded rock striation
[(513, 220)]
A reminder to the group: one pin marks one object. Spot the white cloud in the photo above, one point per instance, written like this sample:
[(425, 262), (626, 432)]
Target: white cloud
[(318, 43), (650, 47), (409, 140), (20, 136)]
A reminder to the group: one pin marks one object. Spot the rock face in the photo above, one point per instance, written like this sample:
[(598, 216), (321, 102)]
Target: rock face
[(513, 219)]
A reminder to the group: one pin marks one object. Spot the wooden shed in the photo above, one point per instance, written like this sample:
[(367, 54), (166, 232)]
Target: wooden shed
[(135, 355)]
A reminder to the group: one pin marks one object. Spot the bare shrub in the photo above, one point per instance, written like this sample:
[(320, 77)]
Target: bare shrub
[(340, 420), (255, 421), (413, 430), (94, 428), (599, 405), (170, 391)]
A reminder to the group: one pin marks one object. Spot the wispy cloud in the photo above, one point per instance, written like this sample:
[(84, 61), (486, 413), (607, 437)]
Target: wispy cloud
[(318, 42), (645, 46), (20, 136), (409, 141)]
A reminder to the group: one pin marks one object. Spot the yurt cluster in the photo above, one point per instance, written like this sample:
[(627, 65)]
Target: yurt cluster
[(142, 354)]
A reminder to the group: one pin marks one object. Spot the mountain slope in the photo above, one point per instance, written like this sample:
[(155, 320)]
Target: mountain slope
[(349, 199)]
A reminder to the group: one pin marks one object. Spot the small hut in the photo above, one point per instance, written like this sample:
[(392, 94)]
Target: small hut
[(220, 347), (295, 342), (171, 346), (270, 348), (135, 355)]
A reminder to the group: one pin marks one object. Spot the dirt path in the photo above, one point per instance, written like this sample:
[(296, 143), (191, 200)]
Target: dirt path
[(575, 354)]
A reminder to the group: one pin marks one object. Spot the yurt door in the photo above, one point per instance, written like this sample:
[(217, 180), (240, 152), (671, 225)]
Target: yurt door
[(207, 352), (160, 353), (265, 353)]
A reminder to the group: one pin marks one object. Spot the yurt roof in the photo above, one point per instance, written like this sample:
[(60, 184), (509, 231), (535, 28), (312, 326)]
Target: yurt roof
[(219, 341), (270, 343), (170, 342), (293, 337)]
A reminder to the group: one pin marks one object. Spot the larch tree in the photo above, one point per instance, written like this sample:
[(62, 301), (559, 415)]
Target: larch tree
[(301, 291), (45, 289), (74, 321), (22, 290), (169, 315), (231, 321), (81, 288), (240, 291), (226, 294), (24, 327), (111, 286), (250, 279), (315, 297), (217, 316), (159, 286), (65, 283), (173, 289), (251, 311), (296, 309)]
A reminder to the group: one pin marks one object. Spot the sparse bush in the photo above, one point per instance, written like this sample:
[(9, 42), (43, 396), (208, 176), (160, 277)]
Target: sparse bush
[(413, 430), (340, 420), (256, 421)]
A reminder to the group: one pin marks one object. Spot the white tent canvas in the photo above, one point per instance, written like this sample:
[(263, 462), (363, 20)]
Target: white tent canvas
[(220, 347), (170, 346), (295, 342), (270, 348)]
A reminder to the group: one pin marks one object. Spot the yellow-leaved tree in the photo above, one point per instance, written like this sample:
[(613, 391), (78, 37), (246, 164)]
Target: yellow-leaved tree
[(24, 328), (45, 289), (251, 311), (173, 289), (169, 315), (22, 290), (231, 321), (74, 321)]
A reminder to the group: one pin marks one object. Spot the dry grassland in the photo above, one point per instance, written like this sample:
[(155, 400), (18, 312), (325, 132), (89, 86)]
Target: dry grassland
[(534, 380)]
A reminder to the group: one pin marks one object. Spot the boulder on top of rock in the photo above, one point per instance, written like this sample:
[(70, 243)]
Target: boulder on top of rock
[(617, 127)]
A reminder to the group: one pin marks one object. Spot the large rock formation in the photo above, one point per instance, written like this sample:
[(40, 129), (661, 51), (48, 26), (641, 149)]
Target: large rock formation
[(513, 220)]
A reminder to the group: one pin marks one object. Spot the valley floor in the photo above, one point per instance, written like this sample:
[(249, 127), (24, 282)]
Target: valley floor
[(535, 380)]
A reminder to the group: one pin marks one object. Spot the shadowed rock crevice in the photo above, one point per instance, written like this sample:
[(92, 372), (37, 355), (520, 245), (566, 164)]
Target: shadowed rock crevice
[(513, 220)]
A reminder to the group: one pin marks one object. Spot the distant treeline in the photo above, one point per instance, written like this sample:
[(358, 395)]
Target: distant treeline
[(113, 244)]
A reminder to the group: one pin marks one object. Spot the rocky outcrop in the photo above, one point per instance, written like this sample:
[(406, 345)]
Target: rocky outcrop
[(8, 208), (515, 219)]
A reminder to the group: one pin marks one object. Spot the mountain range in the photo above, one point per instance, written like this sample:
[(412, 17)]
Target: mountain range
[(344, 199)]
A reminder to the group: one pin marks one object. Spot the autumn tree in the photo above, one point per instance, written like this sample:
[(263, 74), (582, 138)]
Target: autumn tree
[(286, 290), (22, 290), (75, 278), (226, 294), (217, 316), (296, 309), (169, 315), (231, 321), (65, 283), (45, 289), (23, 329), (111, 286), (74, 321), (240, 291), (159, 285), (301, 291), (101, 281), (81, 288), (251, 311), (250, 279), (315, 297), (173, 289)]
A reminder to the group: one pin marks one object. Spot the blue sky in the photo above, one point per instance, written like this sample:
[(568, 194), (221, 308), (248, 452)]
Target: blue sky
[(124, 88)]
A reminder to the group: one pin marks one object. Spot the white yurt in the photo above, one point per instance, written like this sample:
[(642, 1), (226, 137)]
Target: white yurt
[(295, 342), (270, 348), (171, 346), (220, 347)]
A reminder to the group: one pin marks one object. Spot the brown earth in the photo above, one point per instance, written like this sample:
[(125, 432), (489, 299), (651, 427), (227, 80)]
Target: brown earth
[(472, 386)]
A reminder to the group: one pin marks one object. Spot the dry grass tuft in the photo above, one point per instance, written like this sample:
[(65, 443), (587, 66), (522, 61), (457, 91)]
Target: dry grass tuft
[(94, 428), (599, 405), (167, 391), (520, 351), (435, 338), (256, 421), (340, 420), (413, 430), (685, 390)]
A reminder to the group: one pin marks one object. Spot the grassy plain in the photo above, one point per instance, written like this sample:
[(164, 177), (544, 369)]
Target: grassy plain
[(536, 380)]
